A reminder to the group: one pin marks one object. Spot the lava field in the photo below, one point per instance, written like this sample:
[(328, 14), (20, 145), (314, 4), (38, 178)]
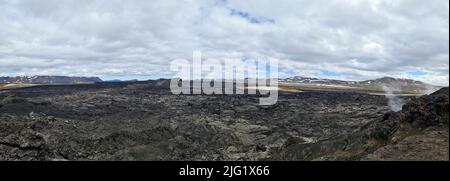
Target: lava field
[(144, 121)]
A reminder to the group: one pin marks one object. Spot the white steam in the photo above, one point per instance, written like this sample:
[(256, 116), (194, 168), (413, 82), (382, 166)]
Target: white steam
[(395, 103)]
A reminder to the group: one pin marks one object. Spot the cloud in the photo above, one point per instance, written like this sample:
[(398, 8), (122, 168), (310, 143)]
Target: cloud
[(114, 38)]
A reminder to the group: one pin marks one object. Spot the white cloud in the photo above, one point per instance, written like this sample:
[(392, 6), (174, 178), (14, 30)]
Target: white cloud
[(113, 39)]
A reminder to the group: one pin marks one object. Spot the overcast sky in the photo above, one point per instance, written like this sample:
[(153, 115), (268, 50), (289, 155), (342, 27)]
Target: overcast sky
[(342, 39)]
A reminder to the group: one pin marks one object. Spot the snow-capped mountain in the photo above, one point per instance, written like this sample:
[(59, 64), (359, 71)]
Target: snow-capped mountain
[(49, 80), (375, 84)]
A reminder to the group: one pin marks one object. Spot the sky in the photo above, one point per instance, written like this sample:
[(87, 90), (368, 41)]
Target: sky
[(135, 39)]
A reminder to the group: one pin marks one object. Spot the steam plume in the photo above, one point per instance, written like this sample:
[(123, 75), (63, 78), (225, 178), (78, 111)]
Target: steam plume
[(395, 103)]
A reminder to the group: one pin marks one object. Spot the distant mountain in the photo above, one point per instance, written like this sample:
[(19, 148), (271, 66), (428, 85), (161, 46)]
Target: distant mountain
[(395, 81), (310, 80), (376, 84), (402, 84), (384, 80), (49, 80), (114, 80)]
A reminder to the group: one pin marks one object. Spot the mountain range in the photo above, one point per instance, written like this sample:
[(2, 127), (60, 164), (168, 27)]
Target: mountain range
[(383, 80), (393, 84), (375, 84), (48, 80)]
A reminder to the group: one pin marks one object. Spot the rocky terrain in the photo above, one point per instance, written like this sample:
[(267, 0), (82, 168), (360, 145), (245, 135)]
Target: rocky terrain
[(144, 121), (418, 132)]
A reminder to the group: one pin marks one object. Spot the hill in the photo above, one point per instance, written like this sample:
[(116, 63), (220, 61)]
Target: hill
[(48, 80), (384, 84)]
